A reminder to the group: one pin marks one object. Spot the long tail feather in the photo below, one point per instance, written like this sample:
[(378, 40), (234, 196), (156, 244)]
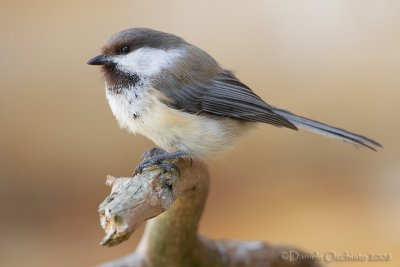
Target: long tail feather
[(324, 129)]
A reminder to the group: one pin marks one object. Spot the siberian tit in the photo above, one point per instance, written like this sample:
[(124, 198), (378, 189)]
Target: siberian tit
[(177, 95)]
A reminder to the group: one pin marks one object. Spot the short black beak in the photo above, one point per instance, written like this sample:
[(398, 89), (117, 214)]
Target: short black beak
[(99, 60)]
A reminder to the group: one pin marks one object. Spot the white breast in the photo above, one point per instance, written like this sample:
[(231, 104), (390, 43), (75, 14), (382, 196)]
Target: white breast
[(139, 110), (129, 106)]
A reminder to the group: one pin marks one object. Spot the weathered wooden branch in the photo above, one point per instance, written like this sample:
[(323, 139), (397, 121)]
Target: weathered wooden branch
[(176, 202)]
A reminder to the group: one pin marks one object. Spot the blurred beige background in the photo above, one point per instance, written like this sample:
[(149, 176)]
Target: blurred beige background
[(336, 61)]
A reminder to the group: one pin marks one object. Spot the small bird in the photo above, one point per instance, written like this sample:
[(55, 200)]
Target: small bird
[(181, 98)]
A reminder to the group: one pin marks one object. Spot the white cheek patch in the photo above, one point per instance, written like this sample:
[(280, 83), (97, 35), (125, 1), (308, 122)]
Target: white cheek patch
[(147, 61)]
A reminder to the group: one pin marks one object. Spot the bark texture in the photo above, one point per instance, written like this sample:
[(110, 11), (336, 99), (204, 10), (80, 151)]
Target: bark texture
[(172, 203)]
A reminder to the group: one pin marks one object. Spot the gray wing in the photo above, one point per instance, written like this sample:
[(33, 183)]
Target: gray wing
[(224, 96)]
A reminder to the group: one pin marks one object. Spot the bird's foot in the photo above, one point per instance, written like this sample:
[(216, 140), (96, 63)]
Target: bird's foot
[(158, 157), (154, 151)]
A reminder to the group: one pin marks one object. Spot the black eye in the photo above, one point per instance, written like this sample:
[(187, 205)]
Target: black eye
[(125, 49)]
